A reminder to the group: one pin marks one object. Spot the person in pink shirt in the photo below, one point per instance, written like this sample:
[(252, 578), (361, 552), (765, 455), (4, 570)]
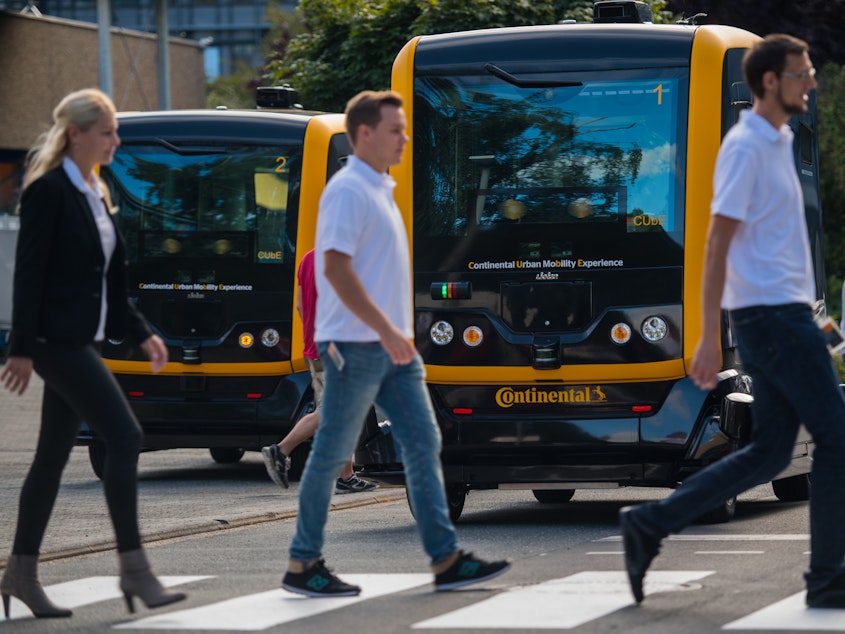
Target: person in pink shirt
[(277, 457)]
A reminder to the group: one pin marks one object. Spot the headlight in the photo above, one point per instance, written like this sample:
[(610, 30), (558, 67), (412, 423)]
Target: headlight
[(654, 329), (473, 336), (270, 337), (441, 332), (620, 333), (246, 340)]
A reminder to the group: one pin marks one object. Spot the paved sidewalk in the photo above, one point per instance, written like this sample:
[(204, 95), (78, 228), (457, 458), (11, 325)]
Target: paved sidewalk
[(181, 491)]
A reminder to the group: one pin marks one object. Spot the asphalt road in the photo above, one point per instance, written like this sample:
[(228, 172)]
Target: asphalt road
[(181, 492), (566, 576), (220, 532)]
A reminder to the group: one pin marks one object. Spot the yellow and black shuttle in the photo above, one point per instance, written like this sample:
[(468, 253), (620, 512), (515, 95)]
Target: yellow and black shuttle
[(557, 193), (217, 208)]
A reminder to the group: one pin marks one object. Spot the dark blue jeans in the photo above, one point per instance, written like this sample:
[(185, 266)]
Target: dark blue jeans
[(794, 382)]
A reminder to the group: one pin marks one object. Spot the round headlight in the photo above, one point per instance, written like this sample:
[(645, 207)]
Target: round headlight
[(270, 337), (620, 333), (441, 332), (473, 336), (246, 340), (654, 329)]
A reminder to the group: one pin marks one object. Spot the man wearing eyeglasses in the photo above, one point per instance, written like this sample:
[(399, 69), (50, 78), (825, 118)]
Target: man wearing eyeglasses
[(758, 267)]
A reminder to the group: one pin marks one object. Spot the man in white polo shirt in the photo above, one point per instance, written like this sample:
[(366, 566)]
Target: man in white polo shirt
[(758, 267), (364, 331)]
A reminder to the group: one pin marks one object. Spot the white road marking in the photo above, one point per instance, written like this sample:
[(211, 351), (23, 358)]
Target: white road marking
[(563, 603), (791, 614), (560, 603), (268, 609), (74, 594), (730, 552), (722, 538)]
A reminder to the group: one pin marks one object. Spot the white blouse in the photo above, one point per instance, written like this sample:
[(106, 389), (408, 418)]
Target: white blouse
[(105, 227)]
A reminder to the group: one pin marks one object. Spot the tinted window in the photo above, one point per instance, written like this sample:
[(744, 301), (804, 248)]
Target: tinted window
[(539, 171), (231, 203)]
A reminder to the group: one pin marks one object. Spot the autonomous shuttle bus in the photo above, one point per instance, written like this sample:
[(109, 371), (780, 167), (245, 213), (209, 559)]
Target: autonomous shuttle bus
[(217, 208), (557, 189)]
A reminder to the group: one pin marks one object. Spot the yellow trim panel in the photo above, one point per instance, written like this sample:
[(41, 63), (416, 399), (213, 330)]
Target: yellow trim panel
[(277, 368), (598, 373)]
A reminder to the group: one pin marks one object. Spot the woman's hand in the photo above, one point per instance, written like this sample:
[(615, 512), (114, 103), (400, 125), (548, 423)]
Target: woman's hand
[(155, 349), (16, 374)]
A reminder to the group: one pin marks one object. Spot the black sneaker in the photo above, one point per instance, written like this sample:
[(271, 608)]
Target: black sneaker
[(277, 465), (467, 570), (353, 484), (641, 548), (318, 581), (831, 596)]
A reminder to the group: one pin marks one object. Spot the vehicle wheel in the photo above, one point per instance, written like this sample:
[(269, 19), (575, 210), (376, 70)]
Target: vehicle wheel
[(793, 489), (97, 456), (226, 455), (553, 496), (720, 514), (456, 495)]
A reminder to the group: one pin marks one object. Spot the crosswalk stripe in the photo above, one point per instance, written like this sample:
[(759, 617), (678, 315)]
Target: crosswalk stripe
[(722, 538), (79, 592), (563, 603), (730, 552), (268, 609), (791, 614), (560, 603)]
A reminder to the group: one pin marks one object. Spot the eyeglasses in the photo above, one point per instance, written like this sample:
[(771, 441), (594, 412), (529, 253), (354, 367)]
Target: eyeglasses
[(805, 76)]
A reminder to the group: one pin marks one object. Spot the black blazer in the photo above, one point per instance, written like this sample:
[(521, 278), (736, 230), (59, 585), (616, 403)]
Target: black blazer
[(59, 272)]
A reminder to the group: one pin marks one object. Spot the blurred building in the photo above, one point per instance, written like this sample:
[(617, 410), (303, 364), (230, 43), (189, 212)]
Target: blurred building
[(232, 30), (44, 58)]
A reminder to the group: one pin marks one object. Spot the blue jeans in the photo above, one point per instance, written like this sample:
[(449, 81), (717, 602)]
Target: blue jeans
[(368, 377), (794, 381)]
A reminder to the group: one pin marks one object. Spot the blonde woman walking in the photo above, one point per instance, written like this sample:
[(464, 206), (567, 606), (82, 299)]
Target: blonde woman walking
[(69, 295)]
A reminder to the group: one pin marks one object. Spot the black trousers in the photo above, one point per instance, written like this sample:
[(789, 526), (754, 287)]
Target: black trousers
[(78, 386)]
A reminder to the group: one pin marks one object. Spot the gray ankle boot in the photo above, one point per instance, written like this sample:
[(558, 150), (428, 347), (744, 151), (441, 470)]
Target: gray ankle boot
[(138, 580), (20, 580)]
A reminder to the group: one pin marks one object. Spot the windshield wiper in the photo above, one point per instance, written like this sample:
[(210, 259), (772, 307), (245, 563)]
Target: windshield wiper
[(190, 150), (529, 83)]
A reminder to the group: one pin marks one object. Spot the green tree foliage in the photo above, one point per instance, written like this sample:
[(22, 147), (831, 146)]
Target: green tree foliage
[(578, 10), (445, 16), (236, 90), (284, 26), (831, 109), (582, 11), (350, 45)]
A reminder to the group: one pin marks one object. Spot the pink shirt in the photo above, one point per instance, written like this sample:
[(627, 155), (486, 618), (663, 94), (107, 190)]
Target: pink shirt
[(308, 296)]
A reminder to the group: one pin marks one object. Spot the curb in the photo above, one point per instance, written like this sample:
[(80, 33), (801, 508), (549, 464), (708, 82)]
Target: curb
[(387, 497)]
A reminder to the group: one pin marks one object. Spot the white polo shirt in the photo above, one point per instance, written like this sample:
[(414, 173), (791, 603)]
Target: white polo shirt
[(359, 217), (756, 183)]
